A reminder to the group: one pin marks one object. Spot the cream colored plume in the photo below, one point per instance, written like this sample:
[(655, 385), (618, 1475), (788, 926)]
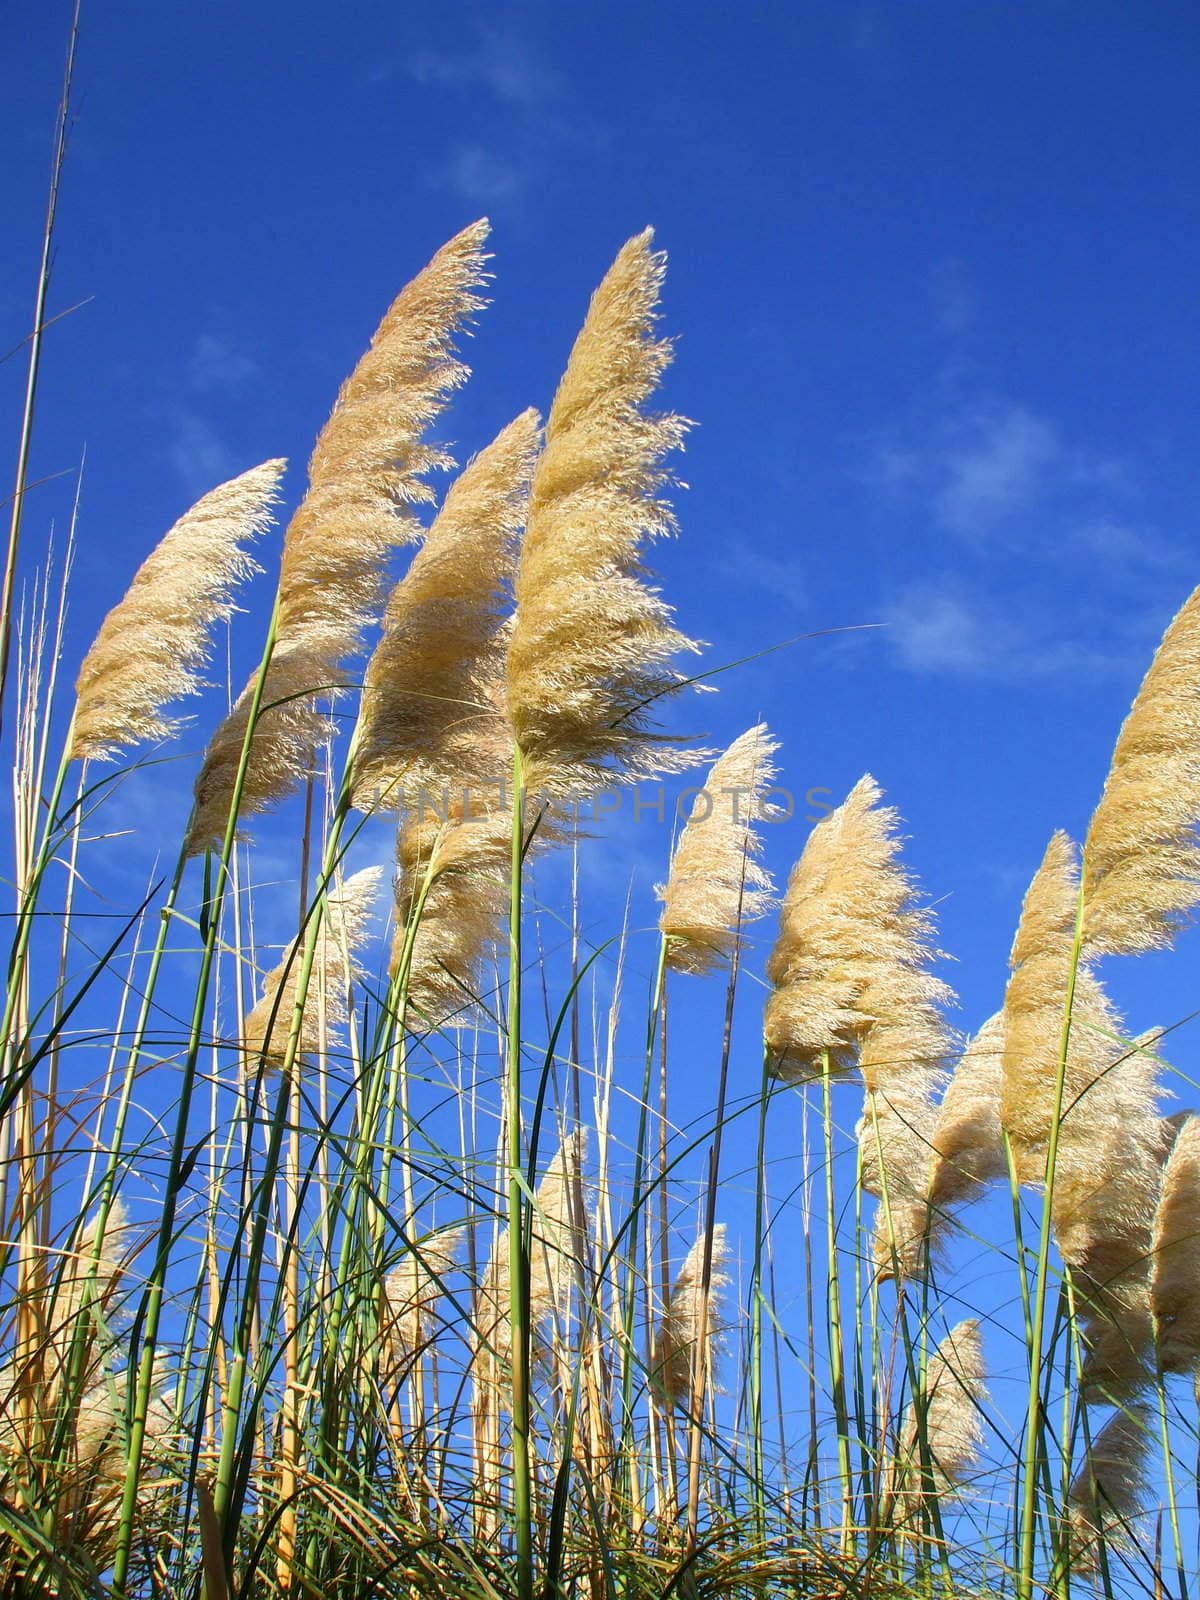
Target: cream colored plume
[(716, 882), (344, 928), (954, 1397), (454, 879), (592, 648), (1111, 1141), (1142, 852), (366, 474), (852, 956), (153, 645), (1109, 1490), (559, 1243), (1175, 1252), (413, 1289), (673, 1360), (968, 1141), (432, 719), (88, 1280)]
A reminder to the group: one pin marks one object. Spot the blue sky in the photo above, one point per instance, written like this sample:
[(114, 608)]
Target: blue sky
[(933, 278)]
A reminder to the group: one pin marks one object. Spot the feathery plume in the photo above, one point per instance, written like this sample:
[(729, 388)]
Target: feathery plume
[(461, 868), (968, 1140), (1142, 852), (413, 1289), (592, 645), (1175, 1253), (432, 716), (1111, 1142), (716, 883), (153, 645), (953, 1402), (673, 1360), (852, 955), (342, 932), (1109, 1489), (559, 1239), (365, 475), (84, 1282)]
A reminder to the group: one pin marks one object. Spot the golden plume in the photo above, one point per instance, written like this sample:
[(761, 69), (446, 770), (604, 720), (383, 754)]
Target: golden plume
[(413, 1289), (852, 954), (673, 1360), (716, 883), (1110, 1141), (968, 1141), (152, 646), (453, 879), (431, 717), (1175, 1252), (1109, 1489), (365, 476), (559, 1243), (592, 645), (952, 1403), (1142, 852), (342, 932), (65, 1453)]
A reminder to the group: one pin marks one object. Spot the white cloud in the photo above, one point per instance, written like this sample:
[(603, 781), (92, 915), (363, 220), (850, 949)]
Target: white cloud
[(216, 363), (501, 63), (482, 177), (197, 452), (998, 470), (745, 564), (939, 626)]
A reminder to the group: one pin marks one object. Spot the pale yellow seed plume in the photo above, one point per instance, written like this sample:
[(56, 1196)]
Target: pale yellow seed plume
[(954, 1398), (344, 927), (365, 475), (966, 1152), (454, 877), (1035, 1004), (1111, 1140), (716, 883), (1109, 1490), (412, 1291), (968, 1140), (1142, 852), (1175, 1250), (852, 955), (673, 1359), (592, 646), (559, 1244), (153, 645), (85, 1280), (432, 719)]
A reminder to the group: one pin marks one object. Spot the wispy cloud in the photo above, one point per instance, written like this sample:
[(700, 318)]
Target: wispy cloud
[(941, 625), (197, 452), (752, 568), (501, 63), (217, 363), (481, 176)]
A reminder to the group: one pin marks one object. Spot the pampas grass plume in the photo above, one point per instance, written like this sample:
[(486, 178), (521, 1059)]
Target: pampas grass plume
[(152, 646), (1142, 852), (1175, 1252), (716, 884), (852, 954), (343, 929), (673, 1357), (365, 475), (431, 718), (592, 645)]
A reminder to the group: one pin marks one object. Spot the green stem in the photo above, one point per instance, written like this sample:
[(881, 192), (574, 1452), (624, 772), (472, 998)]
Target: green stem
[(518, 1258), (1028, 1517)]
